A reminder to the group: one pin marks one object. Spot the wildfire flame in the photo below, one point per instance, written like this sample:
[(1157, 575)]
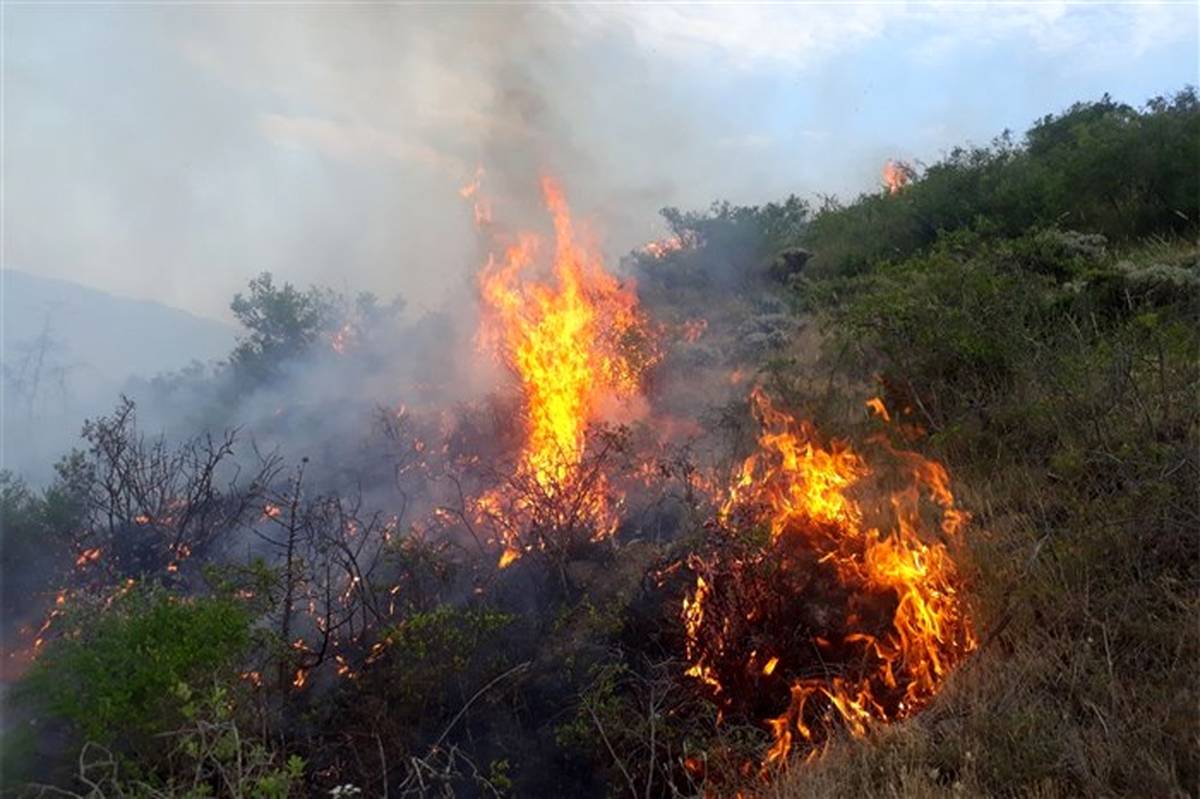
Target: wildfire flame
[(482, 206), (663, 247), (876, 406), (87, 556), (573, 342), (862, 622), (896, 175)]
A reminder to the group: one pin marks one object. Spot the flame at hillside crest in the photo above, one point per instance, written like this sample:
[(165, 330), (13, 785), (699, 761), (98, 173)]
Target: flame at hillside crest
[(897, 175), (855, 623), (574, 342)]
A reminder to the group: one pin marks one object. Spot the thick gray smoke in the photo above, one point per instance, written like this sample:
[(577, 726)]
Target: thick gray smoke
[(170, 153)]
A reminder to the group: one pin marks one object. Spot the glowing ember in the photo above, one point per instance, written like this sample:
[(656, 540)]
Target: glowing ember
[(876, 406), (574, 343), (342, 338), (508, 557), (663, 247), (864, 616), (693, 330), (87, 556)]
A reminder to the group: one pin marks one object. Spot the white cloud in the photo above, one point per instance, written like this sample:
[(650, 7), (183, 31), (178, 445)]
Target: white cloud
[(1092, 35), (745, 35), (805, 34)]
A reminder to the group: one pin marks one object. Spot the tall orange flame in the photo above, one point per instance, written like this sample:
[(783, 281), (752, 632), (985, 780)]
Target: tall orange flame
[(572, 342)]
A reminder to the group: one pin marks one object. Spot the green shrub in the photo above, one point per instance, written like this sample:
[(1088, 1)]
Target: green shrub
[(208, 757), (114, 675), (430, 649)]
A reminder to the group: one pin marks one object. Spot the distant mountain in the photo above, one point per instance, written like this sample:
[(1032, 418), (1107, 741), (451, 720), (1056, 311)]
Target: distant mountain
[(102, 336), (69, 349)]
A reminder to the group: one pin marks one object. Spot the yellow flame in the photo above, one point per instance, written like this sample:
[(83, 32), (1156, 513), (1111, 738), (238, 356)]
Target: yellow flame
[(566, 340), (507, 557)]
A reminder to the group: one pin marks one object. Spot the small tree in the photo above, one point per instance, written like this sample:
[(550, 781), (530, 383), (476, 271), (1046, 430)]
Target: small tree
[(145, 506), (283, 322)]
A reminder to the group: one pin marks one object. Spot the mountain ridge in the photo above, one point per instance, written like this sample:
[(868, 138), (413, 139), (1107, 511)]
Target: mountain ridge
[(106, 334)]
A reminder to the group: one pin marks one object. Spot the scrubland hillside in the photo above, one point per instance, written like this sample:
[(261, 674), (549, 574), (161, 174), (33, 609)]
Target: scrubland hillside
[(896, 497)]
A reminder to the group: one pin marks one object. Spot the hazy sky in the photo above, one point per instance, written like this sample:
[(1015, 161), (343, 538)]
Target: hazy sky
[(171, 152)]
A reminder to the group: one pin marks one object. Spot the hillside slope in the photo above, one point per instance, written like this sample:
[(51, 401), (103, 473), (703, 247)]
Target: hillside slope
[(68, 349)]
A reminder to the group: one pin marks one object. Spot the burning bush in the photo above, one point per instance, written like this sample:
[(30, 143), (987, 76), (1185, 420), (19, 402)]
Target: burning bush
[(812, 608), (575, 344)]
